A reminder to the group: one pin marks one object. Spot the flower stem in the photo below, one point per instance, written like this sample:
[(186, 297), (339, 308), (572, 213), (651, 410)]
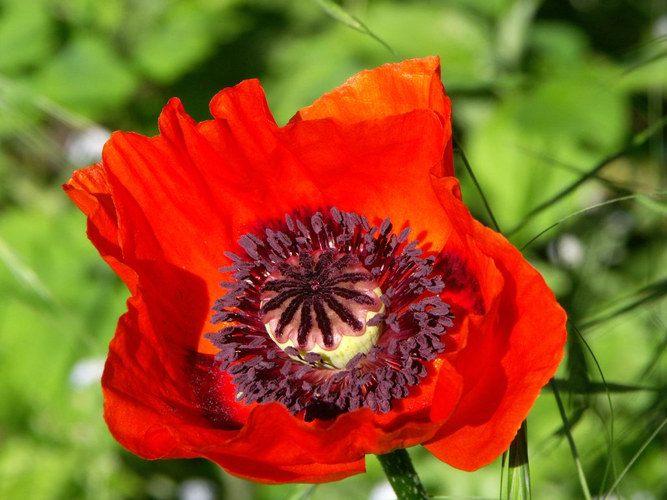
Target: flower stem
[(402, 475)]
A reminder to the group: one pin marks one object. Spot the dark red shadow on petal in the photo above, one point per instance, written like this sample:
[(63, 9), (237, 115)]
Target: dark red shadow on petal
[(103, 244), (178, 305), (485, 381), (213, 390), (461, 286), (177, 302)]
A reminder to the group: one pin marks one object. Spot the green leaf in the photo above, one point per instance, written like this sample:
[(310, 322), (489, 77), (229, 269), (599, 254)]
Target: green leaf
[(175, 42), (557, 45), (86, 77), (25, 34), (54, 440)]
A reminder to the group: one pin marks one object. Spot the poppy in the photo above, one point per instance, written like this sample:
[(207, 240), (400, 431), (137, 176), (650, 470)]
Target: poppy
[(304, 295)]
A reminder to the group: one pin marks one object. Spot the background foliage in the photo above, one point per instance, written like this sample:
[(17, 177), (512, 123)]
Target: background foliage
[(559, 107)]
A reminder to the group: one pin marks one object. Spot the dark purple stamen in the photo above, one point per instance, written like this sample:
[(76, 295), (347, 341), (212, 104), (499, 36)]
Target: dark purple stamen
[(312, 280)]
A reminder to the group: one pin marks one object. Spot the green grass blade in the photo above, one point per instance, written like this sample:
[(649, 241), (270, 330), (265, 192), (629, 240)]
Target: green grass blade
[(645, 135), (12, 91), (642, 198), (650, 293), (612, 185), (515, 468), (351, 21), (644, 60), (610, 437), (636, 142), (658, 352), (566, 191), (659, 207), (468, 168), (599, 387), (24, 274), (573, 447), (401, 474), (635, 457)]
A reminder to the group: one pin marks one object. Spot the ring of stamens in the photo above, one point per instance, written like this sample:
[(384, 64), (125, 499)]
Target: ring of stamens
[(305, 292)]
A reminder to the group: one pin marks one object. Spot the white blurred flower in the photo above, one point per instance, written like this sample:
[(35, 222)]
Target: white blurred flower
[(659, 28), (196, 489), (567, 250), (84, 147), (382, 491), (86, 372)]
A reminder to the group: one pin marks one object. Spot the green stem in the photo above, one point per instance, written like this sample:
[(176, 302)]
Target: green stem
[(402, 475), (515, 468)]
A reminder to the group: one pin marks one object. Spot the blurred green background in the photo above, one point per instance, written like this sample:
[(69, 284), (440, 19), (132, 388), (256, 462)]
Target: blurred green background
[(559, 108)]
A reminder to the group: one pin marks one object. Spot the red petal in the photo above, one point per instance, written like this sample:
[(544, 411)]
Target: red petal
[(148, 386), (378, 168), (256, 469), (352, 435), (389, 90), (90, 191), (261, 171), (512, 350)]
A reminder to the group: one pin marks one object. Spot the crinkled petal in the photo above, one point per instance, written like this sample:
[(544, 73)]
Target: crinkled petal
[(381, 168), (351, 435), (512, 350), (256, 469), (161, 213), (90, 191), (390, 90)]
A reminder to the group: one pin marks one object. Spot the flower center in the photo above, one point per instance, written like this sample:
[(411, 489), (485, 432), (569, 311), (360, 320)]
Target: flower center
[(321, 302), (329, 315)]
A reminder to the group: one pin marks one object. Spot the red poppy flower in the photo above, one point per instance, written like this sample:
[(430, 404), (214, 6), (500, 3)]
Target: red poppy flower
[(333, 335)]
